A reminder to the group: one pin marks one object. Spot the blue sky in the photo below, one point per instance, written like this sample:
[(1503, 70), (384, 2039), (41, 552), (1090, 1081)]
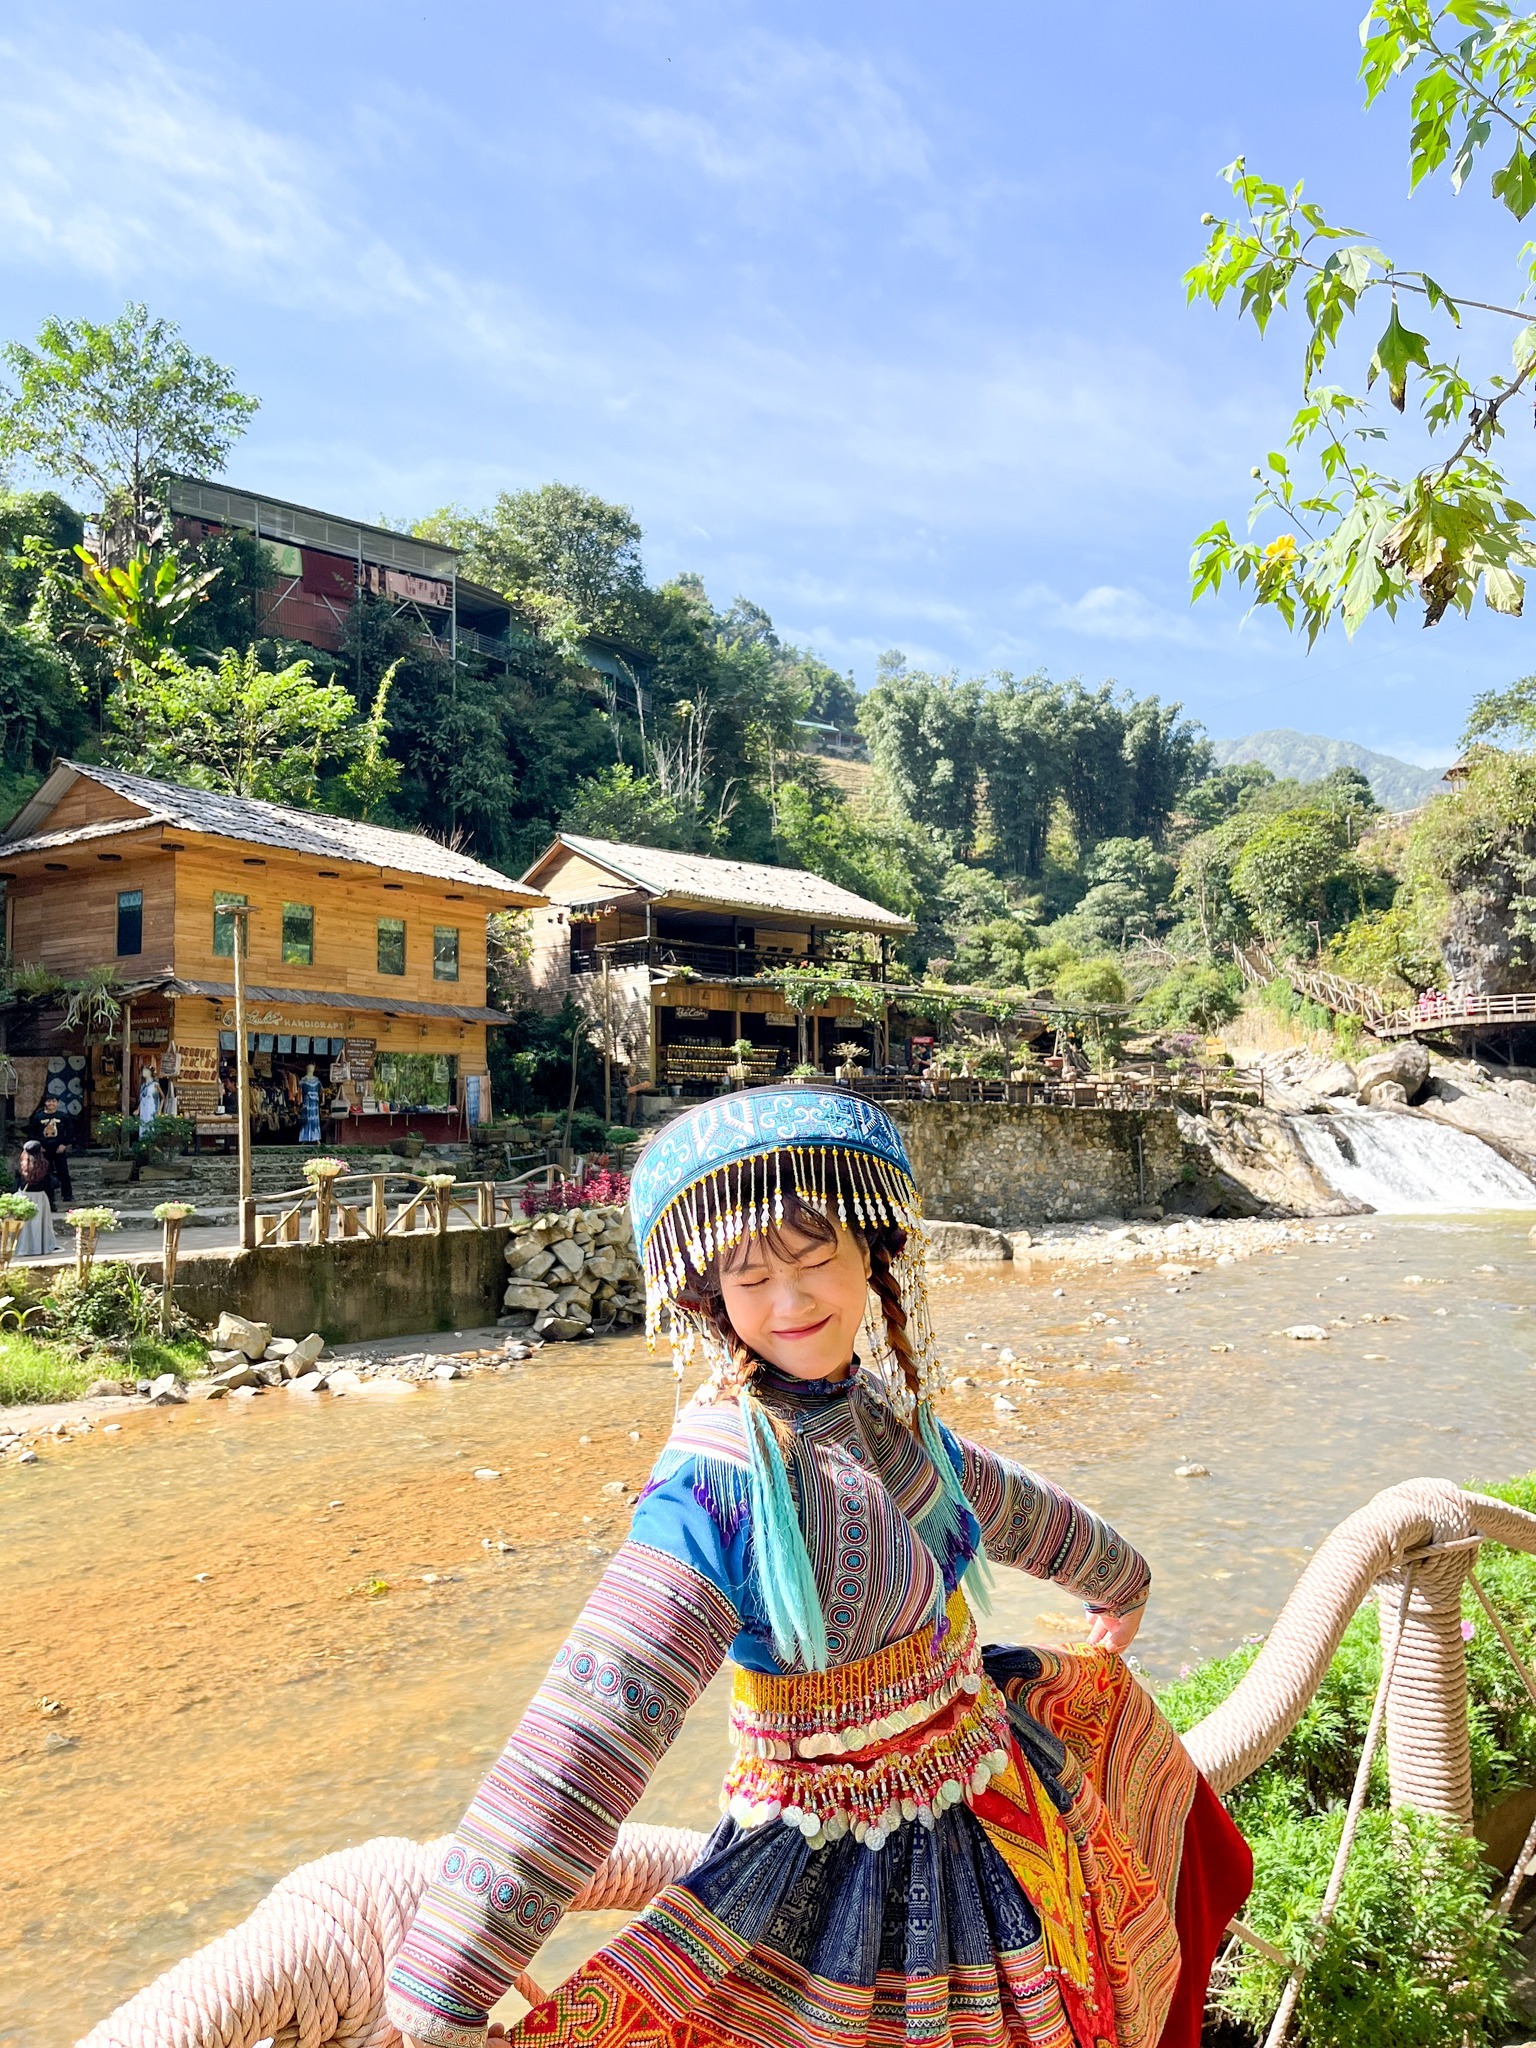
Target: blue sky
[(872, 313)]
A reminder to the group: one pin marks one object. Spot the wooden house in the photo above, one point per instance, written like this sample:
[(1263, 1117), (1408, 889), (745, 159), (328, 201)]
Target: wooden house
[(366, 964), (669, 954)]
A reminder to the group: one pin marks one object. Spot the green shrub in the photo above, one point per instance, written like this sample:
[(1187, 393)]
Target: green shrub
[(1086, 982), (1193, 997), (1414, 1958)]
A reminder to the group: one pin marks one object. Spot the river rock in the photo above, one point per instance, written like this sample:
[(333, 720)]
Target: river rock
[(280, 1347), (1406, 1063), (307, 1383), (1385, 1095), (343, 1380), (562, 1329), (970, 1243), (1251, 1163), (243, 1374), (570, 1254), (1307, 1333), (166, 1390), (535, 1266), (1491, 1106), (100, 1390), (239, 1333), (219, 1358), (387, 1387), (528, 1297), (304, 1355)]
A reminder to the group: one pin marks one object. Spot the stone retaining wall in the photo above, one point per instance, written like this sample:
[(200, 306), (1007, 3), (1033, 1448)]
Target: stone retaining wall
[(354, 1289), (1010, 1165)]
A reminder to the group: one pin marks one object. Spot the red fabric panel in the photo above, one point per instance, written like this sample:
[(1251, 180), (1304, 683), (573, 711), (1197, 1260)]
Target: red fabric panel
[(1215, 1878), (330, 576)]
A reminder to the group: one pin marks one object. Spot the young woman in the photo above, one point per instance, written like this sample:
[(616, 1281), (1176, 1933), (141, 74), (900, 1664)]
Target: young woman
[(34, 1177), (923, 1841)]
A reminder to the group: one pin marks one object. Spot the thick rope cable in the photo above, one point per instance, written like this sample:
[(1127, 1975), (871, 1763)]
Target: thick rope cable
[(307, 1968), (1280, 2026)]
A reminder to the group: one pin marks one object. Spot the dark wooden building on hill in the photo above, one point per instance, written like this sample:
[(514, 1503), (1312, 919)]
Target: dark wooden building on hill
[(367, 957)]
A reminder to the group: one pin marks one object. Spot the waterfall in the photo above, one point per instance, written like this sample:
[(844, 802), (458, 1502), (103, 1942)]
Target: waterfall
[(1401, 1163)]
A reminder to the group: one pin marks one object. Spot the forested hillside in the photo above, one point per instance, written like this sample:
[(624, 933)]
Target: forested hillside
[(1039, 832), (1306, 756)]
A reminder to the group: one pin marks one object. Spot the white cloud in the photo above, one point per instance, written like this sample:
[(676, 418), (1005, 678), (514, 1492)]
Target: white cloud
[(791, 113)]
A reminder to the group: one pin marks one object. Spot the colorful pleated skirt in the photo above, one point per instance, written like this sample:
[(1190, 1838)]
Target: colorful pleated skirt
[(1000, 1848)]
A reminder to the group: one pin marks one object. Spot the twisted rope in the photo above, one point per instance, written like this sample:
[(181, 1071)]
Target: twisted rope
[(307, 1969)]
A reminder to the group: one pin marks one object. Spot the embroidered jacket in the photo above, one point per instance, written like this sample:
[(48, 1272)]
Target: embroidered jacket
[(677, 1599)]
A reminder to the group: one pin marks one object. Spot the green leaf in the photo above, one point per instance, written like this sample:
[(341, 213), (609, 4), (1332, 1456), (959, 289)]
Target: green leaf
[(1523, 347), (1398, 347), (1516, 183), (1504, 591)]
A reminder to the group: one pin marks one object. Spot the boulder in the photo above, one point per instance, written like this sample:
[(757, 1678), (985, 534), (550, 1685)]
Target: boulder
[(1385, 1095), (280, 1347), (561, 1329), (971, 1242), (100, 1389), (307, 1383), (570, 1254), (530, 1297), (239, 1333), (304, 1356), (219, 1359), (243, 1374), (343, 1381), (166, 1390), (534, 1266), (1406, 1063)]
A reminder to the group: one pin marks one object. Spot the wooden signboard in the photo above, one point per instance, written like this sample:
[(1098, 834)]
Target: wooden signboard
[(359, 1057)]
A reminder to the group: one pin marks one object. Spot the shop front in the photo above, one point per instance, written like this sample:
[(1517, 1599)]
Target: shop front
[(326, 1078), (694, 1029)]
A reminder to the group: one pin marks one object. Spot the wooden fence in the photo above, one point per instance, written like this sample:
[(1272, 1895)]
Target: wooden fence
[(374, 1206)]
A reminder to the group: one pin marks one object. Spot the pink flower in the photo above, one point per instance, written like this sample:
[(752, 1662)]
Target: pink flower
[(1468, 1631)]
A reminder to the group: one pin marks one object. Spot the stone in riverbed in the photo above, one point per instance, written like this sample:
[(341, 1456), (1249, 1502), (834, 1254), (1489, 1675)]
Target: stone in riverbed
[(563, 1328), (967, 1242), (307, 1383), (343, 1381), (304, 1356), (281, 1347), (1406, 1063), (218, 1359), (239, 1333), (1307, 1333), (166, 1390), (101, 1389)]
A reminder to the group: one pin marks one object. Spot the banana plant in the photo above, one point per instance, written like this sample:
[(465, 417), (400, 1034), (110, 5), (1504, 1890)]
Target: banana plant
[(142, 603)]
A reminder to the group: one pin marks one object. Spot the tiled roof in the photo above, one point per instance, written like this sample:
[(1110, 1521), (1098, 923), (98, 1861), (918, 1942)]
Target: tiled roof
[(730, 884), (313, 833)]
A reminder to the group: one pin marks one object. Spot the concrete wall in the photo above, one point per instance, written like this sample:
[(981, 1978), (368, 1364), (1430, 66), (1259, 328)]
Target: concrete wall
[(355, 1289), (1010, 1165)]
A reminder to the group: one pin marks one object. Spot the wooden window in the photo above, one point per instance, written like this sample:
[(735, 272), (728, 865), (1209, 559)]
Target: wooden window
[(299, 934), (130, 921), (224, 925), (391, 945), (445, 952)]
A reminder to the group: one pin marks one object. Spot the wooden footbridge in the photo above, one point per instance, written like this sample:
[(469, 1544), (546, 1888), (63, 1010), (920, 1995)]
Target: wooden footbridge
[(1461, 1018)]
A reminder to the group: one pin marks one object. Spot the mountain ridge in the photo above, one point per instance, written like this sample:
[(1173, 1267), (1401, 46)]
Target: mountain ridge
[(1307, 756)]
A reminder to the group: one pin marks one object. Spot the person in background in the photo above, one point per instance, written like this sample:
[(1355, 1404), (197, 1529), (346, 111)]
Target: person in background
[(34, 1177), (53, 1130)]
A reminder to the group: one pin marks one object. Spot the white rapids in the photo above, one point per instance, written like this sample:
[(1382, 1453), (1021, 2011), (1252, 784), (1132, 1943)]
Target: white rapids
[(1407, 1165)]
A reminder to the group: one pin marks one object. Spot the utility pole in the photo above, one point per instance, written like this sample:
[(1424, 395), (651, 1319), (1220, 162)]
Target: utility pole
[(240, 913)]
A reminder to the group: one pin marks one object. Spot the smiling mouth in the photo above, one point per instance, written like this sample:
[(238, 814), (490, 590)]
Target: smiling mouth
[(804, 1329)]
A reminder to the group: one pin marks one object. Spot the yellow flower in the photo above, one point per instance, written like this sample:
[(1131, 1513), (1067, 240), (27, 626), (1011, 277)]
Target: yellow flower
[(1281, 550)]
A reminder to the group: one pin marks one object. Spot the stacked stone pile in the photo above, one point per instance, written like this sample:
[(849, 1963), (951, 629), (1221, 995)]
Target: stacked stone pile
[(573, 1271), (245, 1354)]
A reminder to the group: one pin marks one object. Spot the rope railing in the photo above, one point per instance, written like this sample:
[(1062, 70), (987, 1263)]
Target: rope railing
[(307, 1968)]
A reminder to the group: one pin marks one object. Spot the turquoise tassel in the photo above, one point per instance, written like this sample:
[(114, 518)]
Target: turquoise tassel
[(784, 1574), (951, 1517)]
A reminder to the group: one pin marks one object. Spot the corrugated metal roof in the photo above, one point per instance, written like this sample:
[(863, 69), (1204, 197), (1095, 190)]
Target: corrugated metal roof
[(696, 878), (313, 833)]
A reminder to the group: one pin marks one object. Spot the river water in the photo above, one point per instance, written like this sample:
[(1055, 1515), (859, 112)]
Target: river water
[(234, 1636)]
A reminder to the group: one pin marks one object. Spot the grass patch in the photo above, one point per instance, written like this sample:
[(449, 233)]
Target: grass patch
[(36, 1369)]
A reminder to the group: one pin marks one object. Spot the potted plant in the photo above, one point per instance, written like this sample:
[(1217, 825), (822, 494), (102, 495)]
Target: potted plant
[(121, 1133), (170, 1216), (738, 1069), (16, 1212), (850, 1055), (88, 1225), (805, 1073), (322, 1174)]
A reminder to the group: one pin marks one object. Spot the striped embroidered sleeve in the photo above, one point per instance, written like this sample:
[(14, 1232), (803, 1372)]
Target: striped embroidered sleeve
[(649, 1640), (1028, 1522)]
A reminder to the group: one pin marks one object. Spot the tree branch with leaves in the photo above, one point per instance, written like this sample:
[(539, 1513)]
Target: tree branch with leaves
[(1356, 538)]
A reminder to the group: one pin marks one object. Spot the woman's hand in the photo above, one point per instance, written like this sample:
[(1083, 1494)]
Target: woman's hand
[(1114, 1631)]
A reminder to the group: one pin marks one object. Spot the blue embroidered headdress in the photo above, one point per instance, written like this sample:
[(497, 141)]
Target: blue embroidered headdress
[(721, 1173)]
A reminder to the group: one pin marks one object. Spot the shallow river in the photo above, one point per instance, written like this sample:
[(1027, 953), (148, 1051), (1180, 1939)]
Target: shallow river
[(234, 1636)]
